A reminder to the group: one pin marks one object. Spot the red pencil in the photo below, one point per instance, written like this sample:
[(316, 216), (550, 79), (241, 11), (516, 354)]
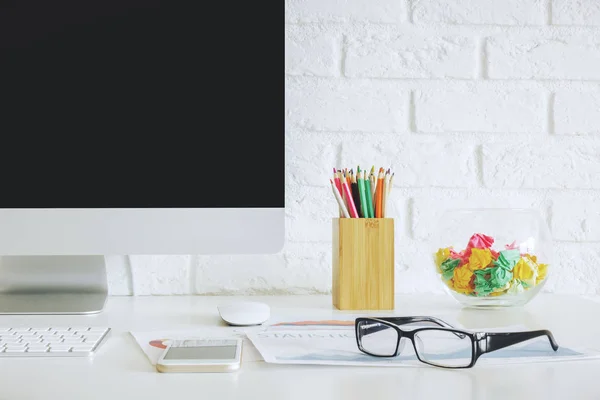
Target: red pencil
[(336, 180)]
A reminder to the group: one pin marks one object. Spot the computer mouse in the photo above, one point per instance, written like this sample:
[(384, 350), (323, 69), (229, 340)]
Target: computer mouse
[(244, 313)]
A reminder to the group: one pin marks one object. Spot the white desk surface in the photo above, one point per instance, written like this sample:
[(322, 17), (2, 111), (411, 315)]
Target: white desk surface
[(121, 370)]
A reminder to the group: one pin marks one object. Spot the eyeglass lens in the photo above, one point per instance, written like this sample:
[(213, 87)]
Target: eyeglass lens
[(377, 339), (444, 348)]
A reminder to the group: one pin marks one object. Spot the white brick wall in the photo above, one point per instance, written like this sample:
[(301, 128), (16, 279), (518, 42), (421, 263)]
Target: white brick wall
[(480, 12), (473, 103), (475, 109), (544, 55)]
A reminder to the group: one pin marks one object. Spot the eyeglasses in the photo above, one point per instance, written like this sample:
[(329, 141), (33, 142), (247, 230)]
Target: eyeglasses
[(442, 346)]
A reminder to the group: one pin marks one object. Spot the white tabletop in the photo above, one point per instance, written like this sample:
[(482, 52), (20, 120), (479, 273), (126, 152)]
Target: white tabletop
[(121, 370)]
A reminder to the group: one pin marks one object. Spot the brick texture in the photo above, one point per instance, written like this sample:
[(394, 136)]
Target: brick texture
[(311, 51), (544, 57), (574, 270), (383, 11), (540, 166), (406, 55), (416, 163), (576, 218), (479, 12), (342, 105), (577, 113), (580, 12), (480, 110)]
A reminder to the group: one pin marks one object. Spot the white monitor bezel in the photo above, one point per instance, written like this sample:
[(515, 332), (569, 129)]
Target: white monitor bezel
[(127, 231)]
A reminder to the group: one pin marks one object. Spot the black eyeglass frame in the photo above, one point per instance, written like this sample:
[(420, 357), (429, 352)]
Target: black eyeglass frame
[(481, 342)]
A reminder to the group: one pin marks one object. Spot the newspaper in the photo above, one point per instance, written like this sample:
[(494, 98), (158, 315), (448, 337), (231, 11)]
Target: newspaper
[(333, 342)]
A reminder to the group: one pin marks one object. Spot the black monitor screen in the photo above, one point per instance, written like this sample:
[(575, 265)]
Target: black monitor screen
[(141, 103)]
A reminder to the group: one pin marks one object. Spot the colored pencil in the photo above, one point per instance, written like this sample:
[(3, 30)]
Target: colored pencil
[(347, 175), (374, 189), (366, 192), (338, 185), (379, 195), (373, 185), (356, 194), (389, 186), (369, 199), (351, 206), (363, 198), (385, 191), (342, 178), (340, 201)]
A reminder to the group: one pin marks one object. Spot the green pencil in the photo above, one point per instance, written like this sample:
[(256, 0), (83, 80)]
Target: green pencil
[(364, 206), (367, 191)]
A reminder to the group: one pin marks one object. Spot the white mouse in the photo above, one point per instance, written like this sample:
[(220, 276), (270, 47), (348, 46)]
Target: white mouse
[(244, 313)]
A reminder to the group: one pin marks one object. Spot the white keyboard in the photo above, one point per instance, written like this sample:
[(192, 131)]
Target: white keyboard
[(71, 341)]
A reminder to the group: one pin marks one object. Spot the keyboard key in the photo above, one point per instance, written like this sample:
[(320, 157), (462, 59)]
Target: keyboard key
[(98, 329), (15, 350), (83, 347), (29, 337), (15, 346), (59, 349), (35, 345), (91, 340), (72, 341), (37, 349), (10, 339), (53, 341)]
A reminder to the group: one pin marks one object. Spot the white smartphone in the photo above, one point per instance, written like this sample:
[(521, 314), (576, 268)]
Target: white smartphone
[(201, 355)]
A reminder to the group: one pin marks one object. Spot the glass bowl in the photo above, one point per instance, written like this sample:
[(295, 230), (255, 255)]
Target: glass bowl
[(493, 257)]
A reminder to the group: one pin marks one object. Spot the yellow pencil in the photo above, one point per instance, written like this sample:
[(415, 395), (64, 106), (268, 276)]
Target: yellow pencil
[(373, 184)]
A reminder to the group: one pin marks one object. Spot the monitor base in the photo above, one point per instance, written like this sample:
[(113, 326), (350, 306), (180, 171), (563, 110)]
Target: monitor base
[(52, 284)]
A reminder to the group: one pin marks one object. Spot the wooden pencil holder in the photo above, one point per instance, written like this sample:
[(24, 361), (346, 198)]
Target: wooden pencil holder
[(363, 263)]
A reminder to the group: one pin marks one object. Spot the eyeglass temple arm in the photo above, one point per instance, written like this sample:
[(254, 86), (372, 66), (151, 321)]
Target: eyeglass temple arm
[(496, 341)]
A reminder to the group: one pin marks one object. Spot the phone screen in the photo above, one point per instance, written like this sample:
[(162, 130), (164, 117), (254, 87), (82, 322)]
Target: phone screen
[(201, 353)]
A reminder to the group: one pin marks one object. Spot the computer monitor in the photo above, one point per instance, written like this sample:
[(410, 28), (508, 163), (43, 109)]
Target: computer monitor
[(133, 127)]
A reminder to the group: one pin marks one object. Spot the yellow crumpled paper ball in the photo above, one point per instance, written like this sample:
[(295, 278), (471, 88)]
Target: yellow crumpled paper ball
[(526, 271), (440, 257), (479, 258), (542, 270), (462, 279)]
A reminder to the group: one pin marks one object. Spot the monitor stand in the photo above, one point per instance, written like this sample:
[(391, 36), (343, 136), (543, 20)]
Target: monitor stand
[(52, 284)]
